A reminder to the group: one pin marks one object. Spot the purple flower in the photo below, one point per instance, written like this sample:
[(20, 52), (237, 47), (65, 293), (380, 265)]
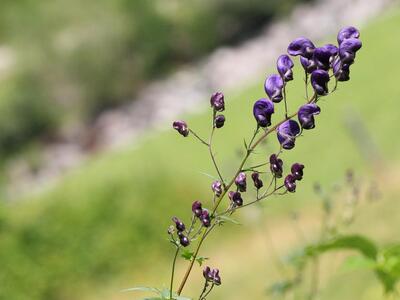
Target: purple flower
[(181, 127), (297, 171), (287, 133), (262, 111), (217, 101), (205, 218), (219, 121), (341, 70), (301, 46), (290, 183), (217, 188), (216, 277), (240, 182), (236, 198), (197, 208), (273, 87), (323, 56), (184, 241), (306, 115), (348, 49), (212, 275), (347, 33), (207, 273), (319, 81), (257, 181), (276, 165), (179, 224), (284, 66), (309, 65)]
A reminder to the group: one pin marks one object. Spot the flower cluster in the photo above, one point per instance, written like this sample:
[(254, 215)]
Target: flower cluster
[(320, 65)]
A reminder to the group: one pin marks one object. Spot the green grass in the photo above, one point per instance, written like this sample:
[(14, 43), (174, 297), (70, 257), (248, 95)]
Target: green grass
[(108, 218)]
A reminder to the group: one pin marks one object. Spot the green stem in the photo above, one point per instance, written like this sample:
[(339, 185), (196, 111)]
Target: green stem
[(173, 272)]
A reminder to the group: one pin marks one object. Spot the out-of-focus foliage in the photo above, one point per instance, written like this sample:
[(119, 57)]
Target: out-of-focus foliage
[(75, 58)]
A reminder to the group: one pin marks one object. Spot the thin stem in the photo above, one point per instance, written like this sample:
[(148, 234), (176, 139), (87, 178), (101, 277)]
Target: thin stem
[(198, 137), (173, 272), (212, 154), (209, 291), (204, 290), (284, 99), (306, 83)]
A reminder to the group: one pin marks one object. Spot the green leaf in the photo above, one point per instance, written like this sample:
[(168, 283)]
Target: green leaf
[(201, 259), (222, 219), (187, 254), (358, 262)]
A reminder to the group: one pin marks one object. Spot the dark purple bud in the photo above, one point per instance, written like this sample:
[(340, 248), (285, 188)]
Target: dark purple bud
[(348, 49), (341, 70), (301, 46), (284, 66), (236, 198), (297, 171), (181, 127), (215, 277), (276, 165), (257, 181), (287, 133), (319, 81), (179, 224), (205, 218), (240, 182), (347, 33), (217, 188), (197, 208), (217, 101), (219, 121), (184, 241), (323, 56), (309, 65), (262, 111), (306, 115), (207, 273), (273, 87), (290, 183)]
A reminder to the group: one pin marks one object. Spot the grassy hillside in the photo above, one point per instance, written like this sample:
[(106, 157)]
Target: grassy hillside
[(107, 219)]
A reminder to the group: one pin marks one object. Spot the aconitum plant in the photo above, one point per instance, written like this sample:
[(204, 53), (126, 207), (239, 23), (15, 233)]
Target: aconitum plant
[(324, 67)]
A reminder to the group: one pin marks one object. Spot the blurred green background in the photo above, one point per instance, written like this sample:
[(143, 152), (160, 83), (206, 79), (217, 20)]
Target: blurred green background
[(102, 228)]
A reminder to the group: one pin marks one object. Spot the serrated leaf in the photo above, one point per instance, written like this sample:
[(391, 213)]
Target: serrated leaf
[(228, 219), (187, 254), (201, 259)]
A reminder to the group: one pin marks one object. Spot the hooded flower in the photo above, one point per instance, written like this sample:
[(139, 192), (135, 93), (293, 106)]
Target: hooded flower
[(217, 188), (290, 183), (297, 171), (205, 218), (346, 33), (217, 101), (273, 87), (341, 70), (181, 127), (324, 55), (262, 111), (240, 182), (276, 165), (284, 66), (301, 46), (306, 115), (348, 49), (319, 81), (212, 275), (236, 198), (256, 180), (287, 133), (309, 65), (197, 208), (179, 224)]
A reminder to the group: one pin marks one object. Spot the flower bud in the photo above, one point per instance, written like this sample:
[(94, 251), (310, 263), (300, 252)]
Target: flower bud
[(290, 183), (319, 81), (273, 87), (240, 182), (219, 121), (184, 241), (197, 209), (217, 101), (217, 188), (262, 111), (287, 133), (284, 66), (306, 115), (276, 165), (297, 171), (236, 198), (179, 224), (171, 229), (181, 127), (205, 218), (257, 181)]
